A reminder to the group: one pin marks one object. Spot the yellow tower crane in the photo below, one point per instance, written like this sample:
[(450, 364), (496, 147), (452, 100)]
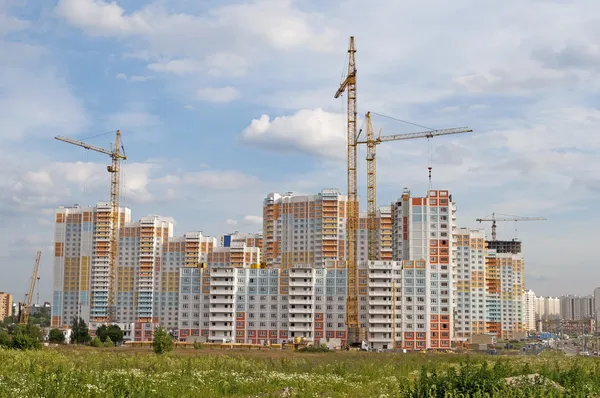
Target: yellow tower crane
[(115, 170), (26, 306), (355, 332), (371, 142), (493, 220)]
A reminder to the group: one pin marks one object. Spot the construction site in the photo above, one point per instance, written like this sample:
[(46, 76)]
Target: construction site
[(399, 277)]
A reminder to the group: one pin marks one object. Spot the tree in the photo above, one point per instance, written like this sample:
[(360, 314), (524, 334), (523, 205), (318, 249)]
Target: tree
[(113, 332), (96, 342), (80, 332), (56, 336), (162, 341), (108, 342)]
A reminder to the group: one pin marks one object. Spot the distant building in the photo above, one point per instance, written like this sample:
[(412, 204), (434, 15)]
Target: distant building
[(6, 305), (529, 310), (506, 285), (547, 308), (577, 308), (471, 292)]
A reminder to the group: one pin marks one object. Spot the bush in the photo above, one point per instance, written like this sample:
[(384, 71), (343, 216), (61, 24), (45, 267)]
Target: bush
[(4, 339), (56, 336), (162, 341), (319, 348), (108, 342), (198, 345), (23, 341), (96, 342)]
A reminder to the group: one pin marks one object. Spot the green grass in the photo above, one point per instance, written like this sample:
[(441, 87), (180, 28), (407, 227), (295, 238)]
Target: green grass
[(197, 373)]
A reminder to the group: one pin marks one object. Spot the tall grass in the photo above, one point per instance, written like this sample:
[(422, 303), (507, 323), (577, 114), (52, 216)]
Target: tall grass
[(102, 373)]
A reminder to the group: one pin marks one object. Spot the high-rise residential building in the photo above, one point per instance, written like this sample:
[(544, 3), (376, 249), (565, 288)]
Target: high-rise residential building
[(529, 310), (423, 239), (6, 304), (471, 287), (256, 305), (384, 235), (547, 308), (577, 308), (251, 240), (304, 229), (81, 262), (506, 285)]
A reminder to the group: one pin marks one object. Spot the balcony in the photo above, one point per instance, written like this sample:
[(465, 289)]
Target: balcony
[(380, 311)]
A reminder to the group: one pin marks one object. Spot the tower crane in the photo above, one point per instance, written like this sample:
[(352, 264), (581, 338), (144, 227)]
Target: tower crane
[(26, 306), (493, 219), (355, 332), (371, 142), (115, 170)]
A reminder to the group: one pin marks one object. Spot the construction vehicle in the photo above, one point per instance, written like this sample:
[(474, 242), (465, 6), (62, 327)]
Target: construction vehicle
[(493, 219), (355, 333), (371, 142), (25, 306), (115, 172)]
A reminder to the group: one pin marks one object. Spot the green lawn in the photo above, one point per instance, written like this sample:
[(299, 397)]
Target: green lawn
[(124, 372)]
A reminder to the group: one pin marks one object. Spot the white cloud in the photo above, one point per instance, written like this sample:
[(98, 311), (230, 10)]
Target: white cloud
[(313, 132), (101, 18), (189, 107), (211, 179), (219, 95), (176, 66), (121, 76), (231, 222), (253, 219)]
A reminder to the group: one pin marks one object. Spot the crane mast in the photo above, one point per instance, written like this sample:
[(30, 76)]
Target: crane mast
[(115, 173), (371, 142), (355, 333), (493, 219), (26, 306)]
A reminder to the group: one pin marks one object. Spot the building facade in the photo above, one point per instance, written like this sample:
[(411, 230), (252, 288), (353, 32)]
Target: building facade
[(529, 310), (81, 262), (306, 229), (383, 238), (423, 229), (547, 308), (505, 265), (577, 308), (6, 305), (471, 286)]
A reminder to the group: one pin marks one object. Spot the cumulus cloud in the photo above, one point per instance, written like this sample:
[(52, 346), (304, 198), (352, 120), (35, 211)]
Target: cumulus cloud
[(309, 131), (231, 222)]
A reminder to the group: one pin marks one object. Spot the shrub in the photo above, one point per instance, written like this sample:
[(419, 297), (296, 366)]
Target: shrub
[(4, 339), (162, 341), (319, 348), (108, 342), (96, 342), (23, 341), (56, 336), (198, 345)]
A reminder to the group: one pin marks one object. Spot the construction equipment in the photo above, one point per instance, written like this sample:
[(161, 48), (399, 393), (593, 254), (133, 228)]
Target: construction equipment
[(505, 217), (355, 332), (372, 143), (114, 169), (26, 305)]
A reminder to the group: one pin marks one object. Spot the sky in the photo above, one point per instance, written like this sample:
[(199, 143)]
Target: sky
[(222, 102)]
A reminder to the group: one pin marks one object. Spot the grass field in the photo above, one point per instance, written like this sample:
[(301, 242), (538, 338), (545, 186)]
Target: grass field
[(124, 372)]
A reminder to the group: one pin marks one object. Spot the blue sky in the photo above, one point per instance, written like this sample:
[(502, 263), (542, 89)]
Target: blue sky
[(223, 102)]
